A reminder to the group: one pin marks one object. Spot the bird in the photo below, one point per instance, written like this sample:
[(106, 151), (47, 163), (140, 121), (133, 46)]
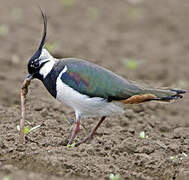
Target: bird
[(89, 89)]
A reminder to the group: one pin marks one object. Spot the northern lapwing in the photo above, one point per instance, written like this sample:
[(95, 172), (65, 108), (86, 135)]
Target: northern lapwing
[(91, 90)]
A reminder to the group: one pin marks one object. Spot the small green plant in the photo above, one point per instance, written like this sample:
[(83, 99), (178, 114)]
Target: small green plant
[(132, 63), (27, 129), (143, 135), (4, 29), (69, 121), (178, 156), (93, 12), (71, 145), (173, 158), (114, 176), (135, 13), (8, 177), (68, 3)]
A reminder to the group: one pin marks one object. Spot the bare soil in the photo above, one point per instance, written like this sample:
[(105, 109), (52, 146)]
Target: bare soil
[(104, 32)]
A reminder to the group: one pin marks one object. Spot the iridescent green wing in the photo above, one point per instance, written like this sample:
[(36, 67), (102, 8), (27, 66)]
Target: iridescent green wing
[(95, 81)]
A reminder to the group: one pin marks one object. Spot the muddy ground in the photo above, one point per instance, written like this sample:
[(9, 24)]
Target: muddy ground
[(153, 33)]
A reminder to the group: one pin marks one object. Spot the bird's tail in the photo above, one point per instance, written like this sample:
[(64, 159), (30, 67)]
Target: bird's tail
[(160, 95)]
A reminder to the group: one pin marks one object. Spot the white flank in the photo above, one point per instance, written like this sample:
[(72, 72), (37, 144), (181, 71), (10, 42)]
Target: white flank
[(47, 67), (82, 104)]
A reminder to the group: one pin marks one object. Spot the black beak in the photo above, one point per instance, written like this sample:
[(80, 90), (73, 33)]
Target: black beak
[(29, 77)]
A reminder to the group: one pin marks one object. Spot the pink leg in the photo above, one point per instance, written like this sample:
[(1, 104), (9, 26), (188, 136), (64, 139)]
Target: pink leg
[(74, 133), (76, 129), (91, 134)]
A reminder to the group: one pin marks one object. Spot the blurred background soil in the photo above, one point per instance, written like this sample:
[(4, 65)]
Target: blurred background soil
[(142, 40)]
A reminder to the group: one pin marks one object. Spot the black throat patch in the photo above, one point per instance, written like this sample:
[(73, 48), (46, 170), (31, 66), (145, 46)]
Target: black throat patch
[(50, 80)]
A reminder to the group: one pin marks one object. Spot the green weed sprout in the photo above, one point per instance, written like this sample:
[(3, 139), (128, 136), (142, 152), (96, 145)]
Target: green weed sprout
[(178, 156), (27, 130), (143, 135), (4, 29), (67, 120), (68, 3), (93, 12), (135, 13), (71, 145), (132, 63), (8, 177), (114, 176)]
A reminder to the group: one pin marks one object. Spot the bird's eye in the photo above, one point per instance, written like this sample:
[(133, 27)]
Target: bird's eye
[(35, 64)]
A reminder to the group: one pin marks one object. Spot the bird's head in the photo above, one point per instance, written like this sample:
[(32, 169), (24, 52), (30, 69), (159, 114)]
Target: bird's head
[(41, 56)]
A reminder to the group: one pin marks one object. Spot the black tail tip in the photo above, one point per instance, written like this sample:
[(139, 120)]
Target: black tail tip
[(169, 98), (177, 95), (178, 91)]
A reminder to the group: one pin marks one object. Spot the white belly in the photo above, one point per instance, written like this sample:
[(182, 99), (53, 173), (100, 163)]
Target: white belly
[(83, 104)]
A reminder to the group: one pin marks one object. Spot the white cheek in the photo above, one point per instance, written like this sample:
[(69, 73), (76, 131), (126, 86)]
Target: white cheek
[(46, 69)]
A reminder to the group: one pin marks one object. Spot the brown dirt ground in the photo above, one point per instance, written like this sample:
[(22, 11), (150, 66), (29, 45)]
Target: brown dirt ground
[(105, 32)]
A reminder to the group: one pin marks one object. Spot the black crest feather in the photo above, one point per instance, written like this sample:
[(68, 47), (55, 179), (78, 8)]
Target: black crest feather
[(42, 43), (44, 29)]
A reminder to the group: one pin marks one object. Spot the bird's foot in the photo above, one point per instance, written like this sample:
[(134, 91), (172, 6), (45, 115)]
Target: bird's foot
[(74, 134), (86, 140), (90, 136)]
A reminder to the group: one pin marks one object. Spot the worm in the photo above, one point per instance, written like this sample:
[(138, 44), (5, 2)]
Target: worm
[(24, 91)]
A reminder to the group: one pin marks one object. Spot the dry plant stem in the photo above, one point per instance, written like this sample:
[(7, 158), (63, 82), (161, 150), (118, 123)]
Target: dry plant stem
[(24, 91)]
